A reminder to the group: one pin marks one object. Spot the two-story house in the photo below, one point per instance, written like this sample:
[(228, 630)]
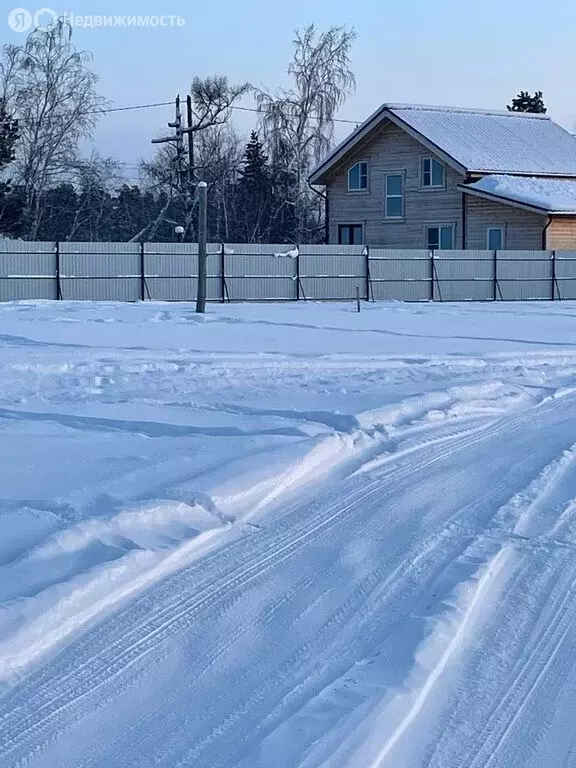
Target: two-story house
[(443, 178)]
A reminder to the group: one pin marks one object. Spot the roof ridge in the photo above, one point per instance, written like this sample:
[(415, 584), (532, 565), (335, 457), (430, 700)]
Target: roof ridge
[(466, 110)]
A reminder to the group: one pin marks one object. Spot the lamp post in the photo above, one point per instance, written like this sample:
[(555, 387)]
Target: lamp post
[(179, 232)]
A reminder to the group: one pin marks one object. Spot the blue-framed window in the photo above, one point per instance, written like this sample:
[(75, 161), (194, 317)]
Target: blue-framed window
[(433, 173), (358, 177)]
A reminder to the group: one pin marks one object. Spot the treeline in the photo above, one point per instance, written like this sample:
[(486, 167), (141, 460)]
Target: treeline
[(258, 190), (246, 204)]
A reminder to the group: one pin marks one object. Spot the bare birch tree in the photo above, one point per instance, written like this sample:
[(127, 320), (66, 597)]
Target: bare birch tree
[(298, 122), (49, 87)]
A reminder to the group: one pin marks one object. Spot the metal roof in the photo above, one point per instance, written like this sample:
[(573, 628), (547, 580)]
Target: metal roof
[(477, 140)]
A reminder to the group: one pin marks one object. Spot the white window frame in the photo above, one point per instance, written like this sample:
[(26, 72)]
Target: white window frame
[(432, 185), (445, 225), (502, 230), (402, 196), (352, 224), (360, 175)]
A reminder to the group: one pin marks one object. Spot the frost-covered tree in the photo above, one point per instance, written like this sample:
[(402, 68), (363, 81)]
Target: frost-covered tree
[(48, 85), (298, 122)]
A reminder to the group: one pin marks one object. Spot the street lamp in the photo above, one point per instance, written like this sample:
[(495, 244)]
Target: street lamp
[(179, 232)]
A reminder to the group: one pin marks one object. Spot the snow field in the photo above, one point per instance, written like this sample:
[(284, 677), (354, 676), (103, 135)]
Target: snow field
[(283, 536)]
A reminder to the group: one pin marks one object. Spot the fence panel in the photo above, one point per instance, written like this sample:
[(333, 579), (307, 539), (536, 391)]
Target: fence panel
[(333, 271), (400, 275), (27, 271), (260, 272), (267, 272), (464, 275), (524, 275), (565, 275), (100, 271), (171, 271)]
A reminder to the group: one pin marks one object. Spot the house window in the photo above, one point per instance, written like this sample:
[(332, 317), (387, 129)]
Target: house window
[(394, 196), (433, 173), (495, 238), (440, 238), (358, 177), (350, 234)]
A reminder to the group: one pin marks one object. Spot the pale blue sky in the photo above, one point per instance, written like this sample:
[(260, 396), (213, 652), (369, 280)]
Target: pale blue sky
[(449, 52)]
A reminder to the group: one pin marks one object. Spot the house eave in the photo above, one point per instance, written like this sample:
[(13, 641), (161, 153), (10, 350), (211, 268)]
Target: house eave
[(525, 174), (508, 201)]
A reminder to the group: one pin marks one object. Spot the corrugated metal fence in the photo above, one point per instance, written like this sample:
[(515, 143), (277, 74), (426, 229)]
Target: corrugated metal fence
[(236, 272)]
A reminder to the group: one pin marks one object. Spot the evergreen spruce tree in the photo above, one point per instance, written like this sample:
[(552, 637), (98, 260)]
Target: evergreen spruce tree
[(59, 213), (132, 211), (8, 136), (525, 102), (11, 213), (254, 191)]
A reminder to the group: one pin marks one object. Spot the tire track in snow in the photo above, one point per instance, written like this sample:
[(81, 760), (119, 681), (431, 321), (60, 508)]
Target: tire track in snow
[(551, 607), (37, 708), (528, 674), (143, 637), (528, 504), (543, 490), (465, 624)]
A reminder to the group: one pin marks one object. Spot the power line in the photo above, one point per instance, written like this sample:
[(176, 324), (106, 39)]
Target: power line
[(312, 117), (103, 111), (133, 107)]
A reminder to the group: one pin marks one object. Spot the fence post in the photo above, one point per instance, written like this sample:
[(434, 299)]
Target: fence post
[(495, 269), (297, 273), (368, 280), (553, 294), (222, 273), (202, 238), (58, 279), (432, 275), (142, 273)]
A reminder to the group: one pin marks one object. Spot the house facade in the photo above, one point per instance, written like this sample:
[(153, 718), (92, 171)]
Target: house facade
[(416, 177)]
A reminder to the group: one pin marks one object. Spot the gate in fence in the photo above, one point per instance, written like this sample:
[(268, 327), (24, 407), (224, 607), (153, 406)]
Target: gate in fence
[(240, 272)]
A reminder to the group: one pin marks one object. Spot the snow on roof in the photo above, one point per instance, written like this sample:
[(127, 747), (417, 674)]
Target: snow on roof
[(478, 140), (466, 111), (551, 195), (495, 142)]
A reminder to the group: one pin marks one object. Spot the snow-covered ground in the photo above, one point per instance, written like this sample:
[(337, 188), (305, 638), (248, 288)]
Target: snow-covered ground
[(287, 535)]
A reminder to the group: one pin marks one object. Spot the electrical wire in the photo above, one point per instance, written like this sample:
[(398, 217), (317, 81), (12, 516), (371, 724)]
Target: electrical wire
[(133, 107)]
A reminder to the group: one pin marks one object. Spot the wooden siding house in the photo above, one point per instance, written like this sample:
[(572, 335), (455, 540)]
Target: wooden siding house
[(444, 178)]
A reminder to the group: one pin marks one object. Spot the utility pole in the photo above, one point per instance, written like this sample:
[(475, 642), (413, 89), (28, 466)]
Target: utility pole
[(202, 236), (178, 141), (190, 132), (191, 169)]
